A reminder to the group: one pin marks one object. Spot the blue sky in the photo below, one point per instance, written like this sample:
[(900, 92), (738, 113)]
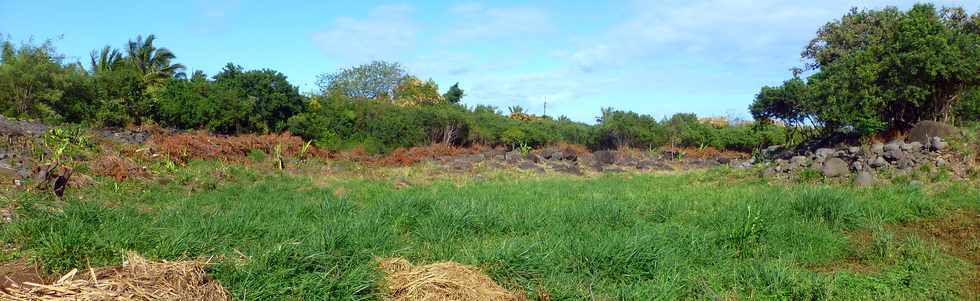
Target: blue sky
[(654, 57)]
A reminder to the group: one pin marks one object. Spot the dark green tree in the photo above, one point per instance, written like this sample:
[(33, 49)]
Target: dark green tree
[(275, 99), (880, 70), (454, 94)]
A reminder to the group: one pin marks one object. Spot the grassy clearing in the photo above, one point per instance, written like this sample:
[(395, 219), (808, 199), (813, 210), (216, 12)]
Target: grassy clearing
[(613, 237)]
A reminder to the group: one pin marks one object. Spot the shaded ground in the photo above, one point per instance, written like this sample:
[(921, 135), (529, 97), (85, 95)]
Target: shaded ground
[(19, 271)]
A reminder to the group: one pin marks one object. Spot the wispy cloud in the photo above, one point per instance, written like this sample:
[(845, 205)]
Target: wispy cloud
[(214, 15), (511, 22), (388, 32)]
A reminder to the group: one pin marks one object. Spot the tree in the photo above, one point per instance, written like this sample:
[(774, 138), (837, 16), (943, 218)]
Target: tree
[(154, 64), (413, 92), (105, 60), (882, 70), (275, 99), (377, 80), (32, 80), (454, 94)]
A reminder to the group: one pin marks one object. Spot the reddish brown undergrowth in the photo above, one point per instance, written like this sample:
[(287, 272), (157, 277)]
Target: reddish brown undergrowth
[(183, 147), (708, 152), (412, 155), (119, 168)]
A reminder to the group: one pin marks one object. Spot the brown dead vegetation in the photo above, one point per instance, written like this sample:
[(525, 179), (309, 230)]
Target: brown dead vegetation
[(443, 281), (412, 155), (117, 167), (136, 279), (183, 147)]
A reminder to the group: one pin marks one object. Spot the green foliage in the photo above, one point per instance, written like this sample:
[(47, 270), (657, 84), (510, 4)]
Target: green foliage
[(236, 101), (377, 80), (454, 94), (36, 83), (412, 92), (617, 237), (621, 129), (880, 70), (67, 142)]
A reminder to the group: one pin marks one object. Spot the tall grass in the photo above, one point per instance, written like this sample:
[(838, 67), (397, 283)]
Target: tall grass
[(623, 237)]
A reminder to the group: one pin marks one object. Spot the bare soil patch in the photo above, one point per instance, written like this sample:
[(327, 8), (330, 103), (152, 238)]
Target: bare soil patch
[(14, 273), (958, 235)]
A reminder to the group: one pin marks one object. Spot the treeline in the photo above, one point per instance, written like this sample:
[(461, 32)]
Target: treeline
[(869, 73), (876, 72), (377, 106)]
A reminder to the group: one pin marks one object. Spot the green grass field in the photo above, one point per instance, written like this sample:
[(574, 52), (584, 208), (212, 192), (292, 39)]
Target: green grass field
[(712, 234)]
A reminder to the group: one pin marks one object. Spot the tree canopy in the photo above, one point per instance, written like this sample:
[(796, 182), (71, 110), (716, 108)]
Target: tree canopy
[(881, 70)]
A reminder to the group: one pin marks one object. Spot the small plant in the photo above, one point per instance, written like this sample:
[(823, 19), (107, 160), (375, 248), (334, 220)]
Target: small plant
[(884, 243), (747, 232), (306, 148), (277, 151), (256, 155), (524, 148), (810, 175), (64, 141)]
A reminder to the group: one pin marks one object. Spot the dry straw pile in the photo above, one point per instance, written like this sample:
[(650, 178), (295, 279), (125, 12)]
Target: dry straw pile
[(439, 282), (137, 279)]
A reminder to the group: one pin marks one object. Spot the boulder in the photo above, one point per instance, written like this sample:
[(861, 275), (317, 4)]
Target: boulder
[(569, 169), (894, 152), (513, 156), (824, 153), (605, 157), (923, 131), (559, 155), (878, 162), (533, 157), (834, 167), (877, 148), (864, 178), (911, 147), (937, 144), (530, 166)]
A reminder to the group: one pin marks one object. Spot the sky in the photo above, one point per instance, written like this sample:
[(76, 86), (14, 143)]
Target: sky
[(654, 57)]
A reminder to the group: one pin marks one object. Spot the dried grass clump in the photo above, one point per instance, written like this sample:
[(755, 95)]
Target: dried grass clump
[(137, 279), (117, 167), (183, 147), (439, 282)]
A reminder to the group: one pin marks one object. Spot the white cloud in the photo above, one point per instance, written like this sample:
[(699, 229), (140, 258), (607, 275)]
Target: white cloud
[(719, 31), (387, 33), (499, 22)]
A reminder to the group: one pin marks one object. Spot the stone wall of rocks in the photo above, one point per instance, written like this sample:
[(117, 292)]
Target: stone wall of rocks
[(564, 161), (863, 162)]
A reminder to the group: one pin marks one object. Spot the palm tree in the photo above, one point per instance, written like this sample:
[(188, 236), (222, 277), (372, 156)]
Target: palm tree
[(105, 60), (152, 62)]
